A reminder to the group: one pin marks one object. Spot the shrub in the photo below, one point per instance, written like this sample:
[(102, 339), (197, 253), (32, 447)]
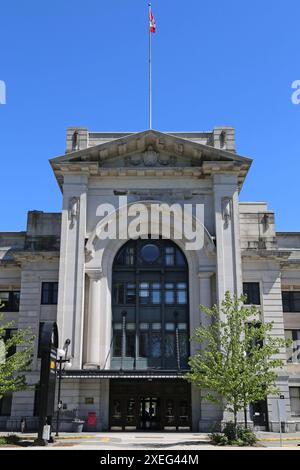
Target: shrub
[(12, 439), (233, 436), (247, 436)]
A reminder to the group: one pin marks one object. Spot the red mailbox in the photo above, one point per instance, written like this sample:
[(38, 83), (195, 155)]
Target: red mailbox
[(92, 419)]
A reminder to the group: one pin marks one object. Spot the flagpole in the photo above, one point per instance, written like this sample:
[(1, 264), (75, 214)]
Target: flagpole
[(150, 72)]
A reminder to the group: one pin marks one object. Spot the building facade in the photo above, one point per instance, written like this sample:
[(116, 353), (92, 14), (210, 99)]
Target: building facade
[(129, 305)]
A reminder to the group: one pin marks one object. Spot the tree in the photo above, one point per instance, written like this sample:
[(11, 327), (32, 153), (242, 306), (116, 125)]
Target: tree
[(15, 358), (236, 362)]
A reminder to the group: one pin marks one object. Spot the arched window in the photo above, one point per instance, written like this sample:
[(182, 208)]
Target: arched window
[(150, 306)]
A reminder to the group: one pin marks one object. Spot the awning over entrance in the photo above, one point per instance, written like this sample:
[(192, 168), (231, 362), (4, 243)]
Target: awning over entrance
[(117, 374)]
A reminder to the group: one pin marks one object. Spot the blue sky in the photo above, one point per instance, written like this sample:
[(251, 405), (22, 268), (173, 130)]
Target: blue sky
[(84, 63)]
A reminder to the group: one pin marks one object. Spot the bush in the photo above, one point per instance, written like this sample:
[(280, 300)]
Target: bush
[(231, 436), (247, 436), (12, 439)]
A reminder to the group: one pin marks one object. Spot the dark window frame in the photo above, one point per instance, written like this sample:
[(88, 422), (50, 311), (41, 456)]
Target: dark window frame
[(50, 297), (252, 291), (288, 301), (138, 274), (291, 398), (13, 305), (294, 347)]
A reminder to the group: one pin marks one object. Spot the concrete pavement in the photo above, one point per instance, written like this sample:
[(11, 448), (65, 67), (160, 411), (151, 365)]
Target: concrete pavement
[(154, 441)]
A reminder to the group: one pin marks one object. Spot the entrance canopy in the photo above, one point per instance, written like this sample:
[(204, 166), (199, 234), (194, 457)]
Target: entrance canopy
[(113, 374)]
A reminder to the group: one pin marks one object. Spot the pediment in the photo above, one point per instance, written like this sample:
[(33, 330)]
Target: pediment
[(149, 158), (148, 149)]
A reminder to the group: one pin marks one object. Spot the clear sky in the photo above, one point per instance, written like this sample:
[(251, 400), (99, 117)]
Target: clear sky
[(84, 63)]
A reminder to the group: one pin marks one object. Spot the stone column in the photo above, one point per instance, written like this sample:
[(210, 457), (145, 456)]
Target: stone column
[(229, 263), (205, 293), (208, 413), (94, 319), (71, 268)]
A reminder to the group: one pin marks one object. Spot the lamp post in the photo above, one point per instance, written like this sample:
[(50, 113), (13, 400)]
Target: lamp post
[(62, 353)]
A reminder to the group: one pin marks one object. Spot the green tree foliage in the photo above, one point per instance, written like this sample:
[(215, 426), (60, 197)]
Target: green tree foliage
[(236, 362), (15, 358)]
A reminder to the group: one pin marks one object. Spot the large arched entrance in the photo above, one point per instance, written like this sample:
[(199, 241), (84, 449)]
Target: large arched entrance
[(150, 323)]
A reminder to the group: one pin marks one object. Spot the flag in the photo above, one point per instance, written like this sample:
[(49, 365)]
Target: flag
[(152, 21)]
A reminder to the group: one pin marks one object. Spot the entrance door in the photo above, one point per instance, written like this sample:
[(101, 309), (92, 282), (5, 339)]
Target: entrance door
[(149, 416), (259, 414), (150, 405)]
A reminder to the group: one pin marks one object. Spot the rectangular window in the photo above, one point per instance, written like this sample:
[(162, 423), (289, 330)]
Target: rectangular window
[(130, 293), (182, 293), (295, 401), (291, 301), (170, 345), (130, 343), (10, 301), (150, 293), (183, 343), (293, 351), (118, 293), (170, 256), (5, 405), (155, 293), (144, 344), (156, 344), (117, 341), (176, 293), (144, 293), (252, 291), (49, 293)]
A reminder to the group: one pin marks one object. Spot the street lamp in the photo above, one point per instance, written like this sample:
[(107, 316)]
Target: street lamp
[(62, 353)]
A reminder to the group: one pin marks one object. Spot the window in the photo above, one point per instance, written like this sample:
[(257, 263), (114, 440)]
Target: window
[(150, 293), (291, 301), (170, 340), (176, 339), (155, 345), (117, 342), (181, 296), (130, 340), (252, 292), (130, 336), (295, 401), (118, 293), (10, 301), (126, 257), (150, 306), (49, 293), (176, 293), (183, 340), (173, 256), (5, 405), (150, 253), (144, 340), (293, 351), (170, 256), (124, 293)]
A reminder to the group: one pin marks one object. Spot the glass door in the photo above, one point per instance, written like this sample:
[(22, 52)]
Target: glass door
[(149, 415)]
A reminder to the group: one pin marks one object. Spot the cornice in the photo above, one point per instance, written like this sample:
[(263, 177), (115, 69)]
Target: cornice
[(36, 256), (276, 255), (204, 159)]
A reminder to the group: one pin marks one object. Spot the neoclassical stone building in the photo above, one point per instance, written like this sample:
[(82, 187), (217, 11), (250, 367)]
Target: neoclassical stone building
[(129, 306)]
